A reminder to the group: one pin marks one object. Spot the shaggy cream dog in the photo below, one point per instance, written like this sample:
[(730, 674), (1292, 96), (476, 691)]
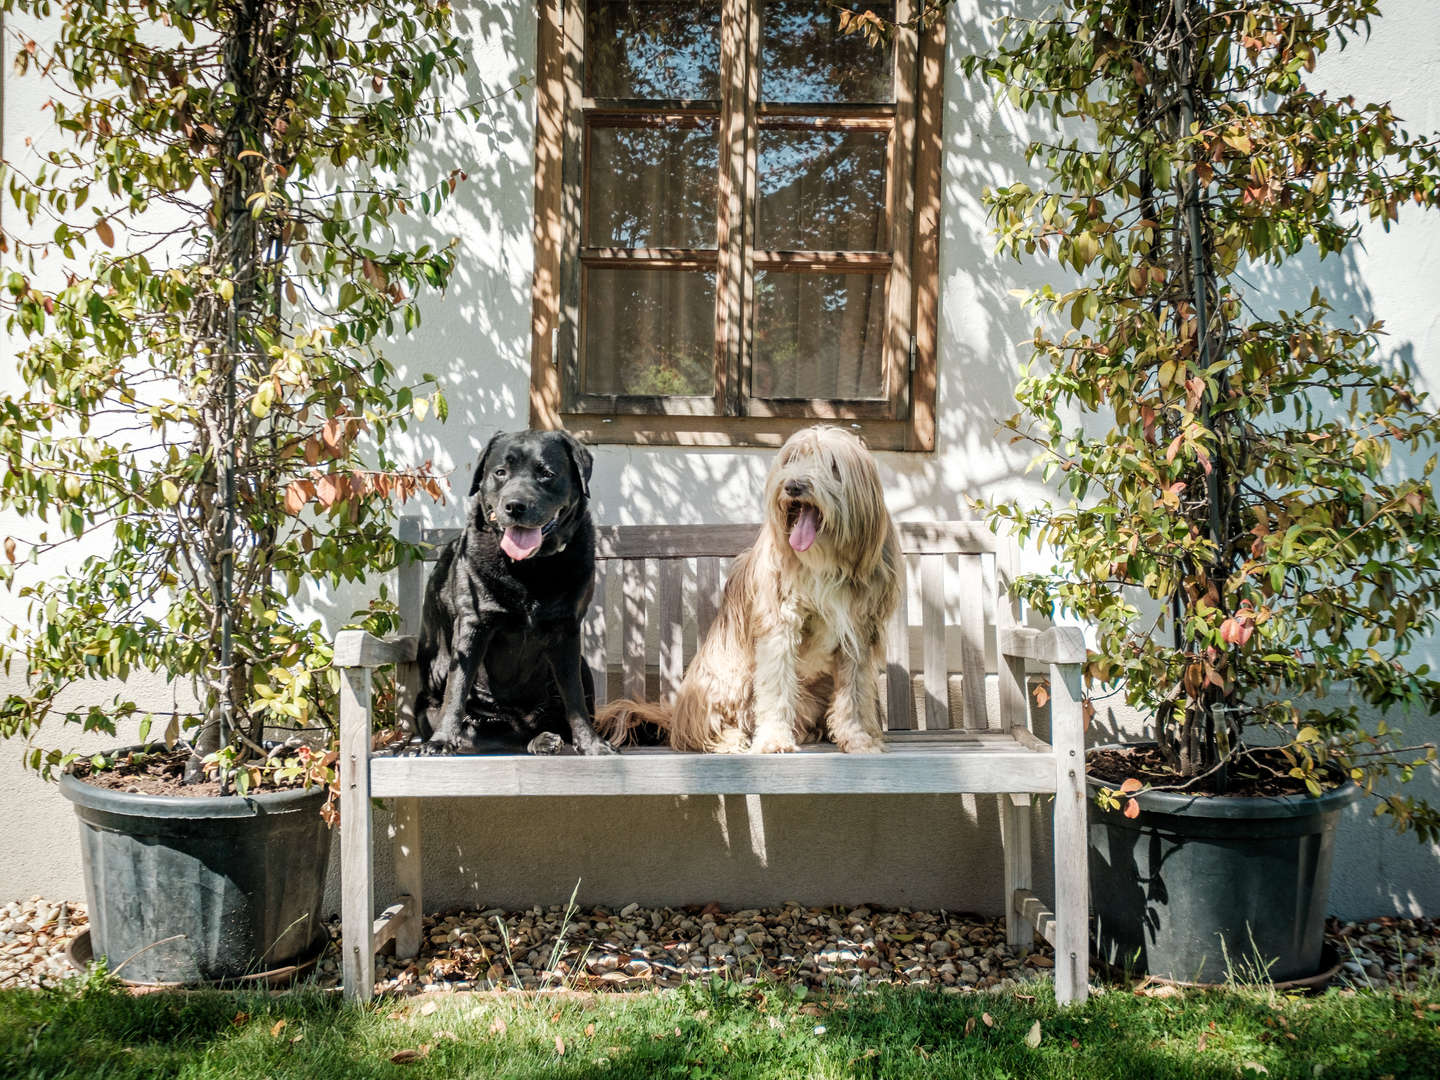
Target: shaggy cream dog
[(796, 647)]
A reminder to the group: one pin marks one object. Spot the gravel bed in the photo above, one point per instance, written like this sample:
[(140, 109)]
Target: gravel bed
[(635, 948)]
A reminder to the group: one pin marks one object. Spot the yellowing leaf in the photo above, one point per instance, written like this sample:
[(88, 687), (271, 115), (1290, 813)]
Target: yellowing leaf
[(169, 491), (279, 1027), (105, 233), (1032, 1037)]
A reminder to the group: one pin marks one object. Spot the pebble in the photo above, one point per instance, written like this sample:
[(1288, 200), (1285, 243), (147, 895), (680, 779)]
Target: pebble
[(637, 948)]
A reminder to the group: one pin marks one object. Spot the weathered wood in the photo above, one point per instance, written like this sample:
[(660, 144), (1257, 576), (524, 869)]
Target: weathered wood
[(986, 765), (391, 921), (1072, 868), (634, 601), (359, 649), (405, 844), (357, 897), (672, 541), (672, 626), (1038, 917), (971, 596), (709, 587), (932, 618), (1014, 710), (1057, 645), (899, 705), (1015, 837), (592, 635)]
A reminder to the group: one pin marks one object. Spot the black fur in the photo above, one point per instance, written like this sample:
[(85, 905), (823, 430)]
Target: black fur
[(499, 655)]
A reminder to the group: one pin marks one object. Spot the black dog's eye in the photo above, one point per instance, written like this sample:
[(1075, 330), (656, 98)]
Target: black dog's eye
[(543, 473), (500, 473)]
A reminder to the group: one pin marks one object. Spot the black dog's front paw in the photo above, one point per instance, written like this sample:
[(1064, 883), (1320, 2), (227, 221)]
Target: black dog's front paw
[(433, 747), (595, 747), (546, 743)]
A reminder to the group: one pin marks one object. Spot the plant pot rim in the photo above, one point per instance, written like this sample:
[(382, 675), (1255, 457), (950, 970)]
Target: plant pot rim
[(1252, 807), (140, 804)]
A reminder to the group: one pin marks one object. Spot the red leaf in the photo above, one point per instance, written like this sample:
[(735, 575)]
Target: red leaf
[(1130, 784), (1132, 808)]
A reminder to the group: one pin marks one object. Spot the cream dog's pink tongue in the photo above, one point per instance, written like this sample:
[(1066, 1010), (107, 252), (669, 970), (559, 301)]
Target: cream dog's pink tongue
[(520, 542), (802, 534)]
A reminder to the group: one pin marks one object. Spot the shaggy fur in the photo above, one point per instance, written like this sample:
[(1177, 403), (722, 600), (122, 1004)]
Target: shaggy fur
[(795, 650)]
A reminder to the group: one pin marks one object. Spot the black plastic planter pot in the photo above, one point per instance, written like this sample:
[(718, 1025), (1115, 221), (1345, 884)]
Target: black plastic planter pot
[(1196, 889), (184, 890)]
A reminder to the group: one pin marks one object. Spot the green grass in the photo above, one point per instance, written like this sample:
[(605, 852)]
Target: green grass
[(719, 1030)]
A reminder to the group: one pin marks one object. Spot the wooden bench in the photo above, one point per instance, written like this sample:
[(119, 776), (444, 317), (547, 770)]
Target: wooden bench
[(667, 581)]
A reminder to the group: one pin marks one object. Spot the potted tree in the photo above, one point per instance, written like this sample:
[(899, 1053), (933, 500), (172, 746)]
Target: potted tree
[(204, 418), (1248, 518)]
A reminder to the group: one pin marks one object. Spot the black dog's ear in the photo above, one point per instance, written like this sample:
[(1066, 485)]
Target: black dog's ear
[(480, 466), (581, 458)]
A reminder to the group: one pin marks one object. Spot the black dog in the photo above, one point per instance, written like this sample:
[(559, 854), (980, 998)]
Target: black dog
[(499, 655)]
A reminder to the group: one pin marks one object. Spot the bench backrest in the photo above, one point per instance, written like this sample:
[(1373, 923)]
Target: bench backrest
[(657, 588)]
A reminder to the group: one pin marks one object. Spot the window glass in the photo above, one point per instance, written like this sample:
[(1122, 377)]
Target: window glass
[(652, 187), (805, 58), (649, 331), (652, 49), (821, 190), (819, 335)]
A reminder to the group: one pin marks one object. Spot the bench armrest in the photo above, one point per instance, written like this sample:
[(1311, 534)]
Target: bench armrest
[(1057, 645), (361, 649)]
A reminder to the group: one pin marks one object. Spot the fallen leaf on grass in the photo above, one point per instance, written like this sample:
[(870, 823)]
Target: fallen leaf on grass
[(969, 1027), (1203, 1041), (498, 1026), (870, 1052), (398, 1014), (428, 1008), (296, 1038), (988, 1019), (1255, 1067), (590, 1030), (1032, 1037), (559, 1046), (279, 1027), (241, 1019)]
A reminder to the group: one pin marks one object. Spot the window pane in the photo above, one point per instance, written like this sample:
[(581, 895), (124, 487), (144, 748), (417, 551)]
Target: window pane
[(652, 49), (822, 191), (805, 58), (652, 187), (649, 332), (819, 335)]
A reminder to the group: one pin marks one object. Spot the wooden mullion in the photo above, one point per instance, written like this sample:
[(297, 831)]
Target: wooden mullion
[(717, 431), (546, 391), (649, 258), (925, 267), (642, 405), (829, 262), (788, 122), (824, 111), (568, 348), (900, 214), (820, 408), (740, 395), (619, 108)]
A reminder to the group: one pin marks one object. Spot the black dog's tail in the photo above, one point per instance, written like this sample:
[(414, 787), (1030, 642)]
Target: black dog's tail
[(637, 723)]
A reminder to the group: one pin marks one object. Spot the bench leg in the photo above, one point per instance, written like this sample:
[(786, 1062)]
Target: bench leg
[(357, 864), (1072, 867), (1015, 837), (407, 876)]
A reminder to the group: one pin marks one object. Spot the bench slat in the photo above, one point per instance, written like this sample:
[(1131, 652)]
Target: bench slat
[(932, 614), (593, 635), (633, 599), (672, 626), (899, 708), (972, 641), (710, 587), (981, 767)]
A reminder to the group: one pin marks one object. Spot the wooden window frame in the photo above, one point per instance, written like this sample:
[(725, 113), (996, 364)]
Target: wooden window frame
[(906, 421)]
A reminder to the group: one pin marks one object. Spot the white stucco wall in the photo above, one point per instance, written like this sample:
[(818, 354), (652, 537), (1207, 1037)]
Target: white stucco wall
[(901, 850)]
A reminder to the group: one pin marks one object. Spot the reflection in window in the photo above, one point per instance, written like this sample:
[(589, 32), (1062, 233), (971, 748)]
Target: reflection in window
[(649, 331), (822, 190), (819, 336), (805, 58), (652, 187), (653, 49)]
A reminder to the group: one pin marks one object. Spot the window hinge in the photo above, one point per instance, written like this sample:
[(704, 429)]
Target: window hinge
[(912, 354)]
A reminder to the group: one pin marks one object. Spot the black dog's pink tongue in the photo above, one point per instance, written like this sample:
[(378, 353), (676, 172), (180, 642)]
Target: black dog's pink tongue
[(520, 542), (802, 535)]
